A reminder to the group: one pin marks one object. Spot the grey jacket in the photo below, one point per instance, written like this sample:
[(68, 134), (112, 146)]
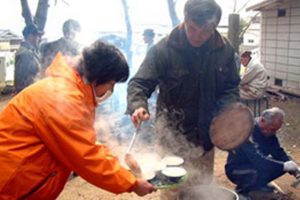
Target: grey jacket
[(63, 45), (194, 83)]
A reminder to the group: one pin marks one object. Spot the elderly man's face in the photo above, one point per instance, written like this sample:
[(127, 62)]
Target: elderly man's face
[(245, 60), (196, 34), (269, 129)]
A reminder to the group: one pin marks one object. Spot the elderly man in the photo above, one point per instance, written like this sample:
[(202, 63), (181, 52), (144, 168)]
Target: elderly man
[(254, 81), (261, 159), (27, 58), (195, 71)]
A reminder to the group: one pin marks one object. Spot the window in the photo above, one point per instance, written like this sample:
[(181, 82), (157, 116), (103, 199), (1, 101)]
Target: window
[(281, 12), (278, 82), (250, 41)]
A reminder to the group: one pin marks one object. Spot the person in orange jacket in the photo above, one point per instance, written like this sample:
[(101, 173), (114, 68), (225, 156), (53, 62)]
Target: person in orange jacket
[(46, 131)]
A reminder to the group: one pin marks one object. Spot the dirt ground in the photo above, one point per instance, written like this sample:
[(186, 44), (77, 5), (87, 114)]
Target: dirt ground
[(78, 189)]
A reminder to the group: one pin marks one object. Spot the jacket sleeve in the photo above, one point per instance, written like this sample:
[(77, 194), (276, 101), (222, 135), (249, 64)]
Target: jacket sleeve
[(230, 92), (141, 86), (25, 70), (65, 125), (259, 161), (250, 74), (278, 152)]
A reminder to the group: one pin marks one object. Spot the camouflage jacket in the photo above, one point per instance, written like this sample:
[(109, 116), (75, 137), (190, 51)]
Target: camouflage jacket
[(27, 66)]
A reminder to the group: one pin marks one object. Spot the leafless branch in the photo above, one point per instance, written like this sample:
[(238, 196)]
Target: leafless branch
[(243, 6), (26, 12), (247, 26), (172, 12), (40, 17)]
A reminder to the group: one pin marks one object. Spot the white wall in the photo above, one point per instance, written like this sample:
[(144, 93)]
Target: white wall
[(280, 44)]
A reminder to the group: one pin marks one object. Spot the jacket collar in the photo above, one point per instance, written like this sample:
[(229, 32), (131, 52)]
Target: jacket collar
[(178, 39), (27, 45), (60, 67)]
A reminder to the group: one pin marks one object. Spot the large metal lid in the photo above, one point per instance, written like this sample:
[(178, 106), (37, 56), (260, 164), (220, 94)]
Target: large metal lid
[(232, 126)]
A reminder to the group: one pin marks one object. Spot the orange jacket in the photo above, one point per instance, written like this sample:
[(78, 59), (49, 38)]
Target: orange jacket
[(46, 131)]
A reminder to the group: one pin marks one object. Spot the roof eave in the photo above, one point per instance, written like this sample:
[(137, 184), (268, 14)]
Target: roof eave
[(263, 5)]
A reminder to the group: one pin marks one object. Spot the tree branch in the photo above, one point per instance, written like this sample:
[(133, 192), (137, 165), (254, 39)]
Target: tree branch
[(41, 13), (26, 14), (129, 32), (172, 12)]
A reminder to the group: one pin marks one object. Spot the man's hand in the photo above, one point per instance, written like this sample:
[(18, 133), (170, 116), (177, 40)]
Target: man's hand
[(139, 115), (142, 187), (290, 166)]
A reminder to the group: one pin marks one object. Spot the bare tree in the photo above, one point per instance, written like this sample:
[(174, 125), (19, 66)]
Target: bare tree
[(172, 12), (128, 41), (40, 16), (244, 26), (236, 30)]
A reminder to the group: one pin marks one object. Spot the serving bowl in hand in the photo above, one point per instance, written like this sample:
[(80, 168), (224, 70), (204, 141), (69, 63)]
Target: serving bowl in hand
[(174, 174)]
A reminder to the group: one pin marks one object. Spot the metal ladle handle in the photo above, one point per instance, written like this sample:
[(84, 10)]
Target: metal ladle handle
[(134, 137)]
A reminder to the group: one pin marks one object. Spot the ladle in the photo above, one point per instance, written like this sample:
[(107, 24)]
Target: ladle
[(129, 159)]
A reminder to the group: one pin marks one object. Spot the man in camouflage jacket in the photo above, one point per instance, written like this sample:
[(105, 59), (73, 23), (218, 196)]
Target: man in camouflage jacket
[(27, 58)]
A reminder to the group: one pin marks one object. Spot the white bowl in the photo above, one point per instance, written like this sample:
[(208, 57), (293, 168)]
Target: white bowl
[(149, 175), (174, 173), (173, 160)]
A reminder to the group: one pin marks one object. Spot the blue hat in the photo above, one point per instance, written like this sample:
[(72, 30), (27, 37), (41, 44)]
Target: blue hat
[(32, 29), (149, 32)]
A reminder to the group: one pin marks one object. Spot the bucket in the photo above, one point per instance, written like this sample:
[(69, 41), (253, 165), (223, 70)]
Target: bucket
[(207, 192)]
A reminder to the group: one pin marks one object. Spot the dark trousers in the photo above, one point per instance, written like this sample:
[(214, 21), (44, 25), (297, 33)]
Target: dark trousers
[(249, 179)]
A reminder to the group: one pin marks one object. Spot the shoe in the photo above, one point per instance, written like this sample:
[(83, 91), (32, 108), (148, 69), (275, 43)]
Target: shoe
[(243, 197), (266, 188), (241, 190)]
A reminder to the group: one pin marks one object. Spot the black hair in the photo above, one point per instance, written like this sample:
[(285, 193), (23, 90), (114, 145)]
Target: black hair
[(69, 25), (103, 62), (202, 12)]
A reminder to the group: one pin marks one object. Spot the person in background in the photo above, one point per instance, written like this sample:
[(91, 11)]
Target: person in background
[(148, 37), (67, 45), (195, 71), (27, 58), (40, 147), (261, 159), (254, 81)]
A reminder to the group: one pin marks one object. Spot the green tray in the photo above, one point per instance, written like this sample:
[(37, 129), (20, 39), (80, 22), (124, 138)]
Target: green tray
[(162, 184)]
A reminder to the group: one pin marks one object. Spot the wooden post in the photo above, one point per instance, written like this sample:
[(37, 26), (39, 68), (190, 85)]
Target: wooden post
[(233, 30)]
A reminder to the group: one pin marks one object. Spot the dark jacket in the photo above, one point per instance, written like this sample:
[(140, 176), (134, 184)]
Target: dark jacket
[(194, 83), (27, 66), (63, 45), (263, 154)]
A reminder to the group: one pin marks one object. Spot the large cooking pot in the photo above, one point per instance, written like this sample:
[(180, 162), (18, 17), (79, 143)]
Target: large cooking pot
[(208, 192)]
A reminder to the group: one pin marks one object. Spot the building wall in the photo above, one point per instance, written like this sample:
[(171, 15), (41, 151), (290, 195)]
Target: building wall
[(280, 44), (4, 46)]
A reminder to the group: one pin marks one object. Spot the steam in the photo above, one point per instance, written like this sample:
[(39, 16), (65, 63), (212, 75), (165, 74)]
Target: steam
[(115, 129), (152, 144)]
